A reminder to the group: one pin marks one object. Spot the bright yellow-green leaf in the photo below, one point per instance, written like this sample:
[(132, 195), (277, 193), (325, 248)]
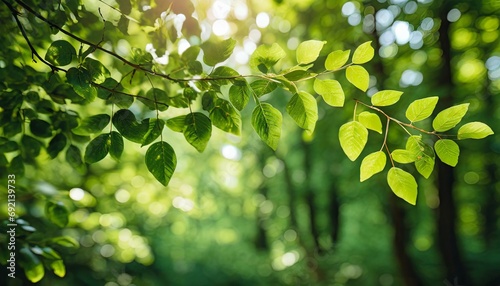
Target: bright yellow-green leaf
[(337, 59), (364, 53), (372, 164), (448, 151), (423, 154), (371, 121), (449, 117), (304, 110), (331, 91), (420, 109), (308, 51), (403, 185), (58, 267), (403, 156), (386, 97), (474, 130), (31, 264), (358, 76), (353, 137), (264, 57)]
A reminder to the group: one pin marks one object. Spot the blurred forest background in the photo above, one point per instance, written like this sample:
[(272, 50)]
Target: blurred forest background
[(241, 214)]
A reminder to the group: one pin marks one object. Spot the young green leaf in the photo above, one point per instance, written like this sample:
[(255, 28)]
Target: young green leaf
[(358, 76), (423, 154), (447, 151), (56, 145), (304, 110), (40, 128), (261, 87), (155, 99), (336, 59), (216, 52), (125, 122), (353, 137), (403, 156), (98, 72), (177, 124), (58, 267), (372, 164), (57, 213), (265, 57), (80, 80), (65, 241), (97, 149), (92, 124), (474, 130), (371, 121), (420, 109), (155, 127), (60, 53), (266, 120), (386, 97), (308, 51), (116, 146), (225, 117), (449, 117), (403, 185), (331, 91), (31, 264), (363, 54), (161, 161), (198, 130), (239, 94)]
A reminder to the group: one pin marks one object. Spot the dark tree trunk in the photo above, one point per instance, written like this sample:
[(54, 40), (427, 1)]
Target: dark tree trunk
[(310, 197), (334, 214)]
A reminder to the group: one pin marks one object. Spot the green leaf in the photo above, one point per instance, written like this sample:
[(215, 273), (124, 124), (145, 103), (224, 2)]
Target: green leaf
[(363, 54), (40, 128), (32, 266), (265, 57), (155, 99), (7, 146), (60, 53), (447, 151), (358, 76), (155, 128), (198, 130), (17, 166), (353, 137), (116, 146), (74, 156), (266, 120), (331, 91), (386, 97), (261, 87), (372, 164), (66, 241), (216, 52), (80, 80), (449, 117), (225, 117), (177, 123), (304, 110), (123, 24), (190, 54), (423, 154), (98, 72), (226, 75), (161, 161), (97, 149), (403, 156), (125, 122), (30, 147), (420, 109), (56, 145), (57, 213), (239, 94), (308, 51), (336, 60), (474, 130), (371, 121), (114, 96), (58, 267), (92, 124), (403, 185)]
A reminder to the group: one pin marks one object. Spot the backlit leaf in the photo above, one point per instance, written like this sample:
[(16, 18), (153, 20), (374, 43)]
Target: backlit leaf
[(447, 151), (353, 137), (372, 164), (125, 122), (58, 267), (420, 109), (80, 80), (304, 110), (371, 121), (216, 52), (97, 149), (386, 97), (265, 57), (161, 161), (116, 146), (198, 130), (177, 123), (225, 117), (474, 130), (331, 91), (423, 154), (403, 156), (337, 59), (92, 124), (31, 264), (60, 53), (266, 120), (449, 117), (363, 54), (403, 185), (155, 127), (74, 156), (57, 213), (308, 51), (261, 87), (155, 98), (239, 94), (98, 72), (358, 76)]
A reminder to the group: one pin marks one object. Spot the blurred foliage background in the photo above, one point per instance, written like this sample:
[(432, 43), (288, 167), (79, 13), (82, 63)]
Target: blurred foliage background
[(240, 214)]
